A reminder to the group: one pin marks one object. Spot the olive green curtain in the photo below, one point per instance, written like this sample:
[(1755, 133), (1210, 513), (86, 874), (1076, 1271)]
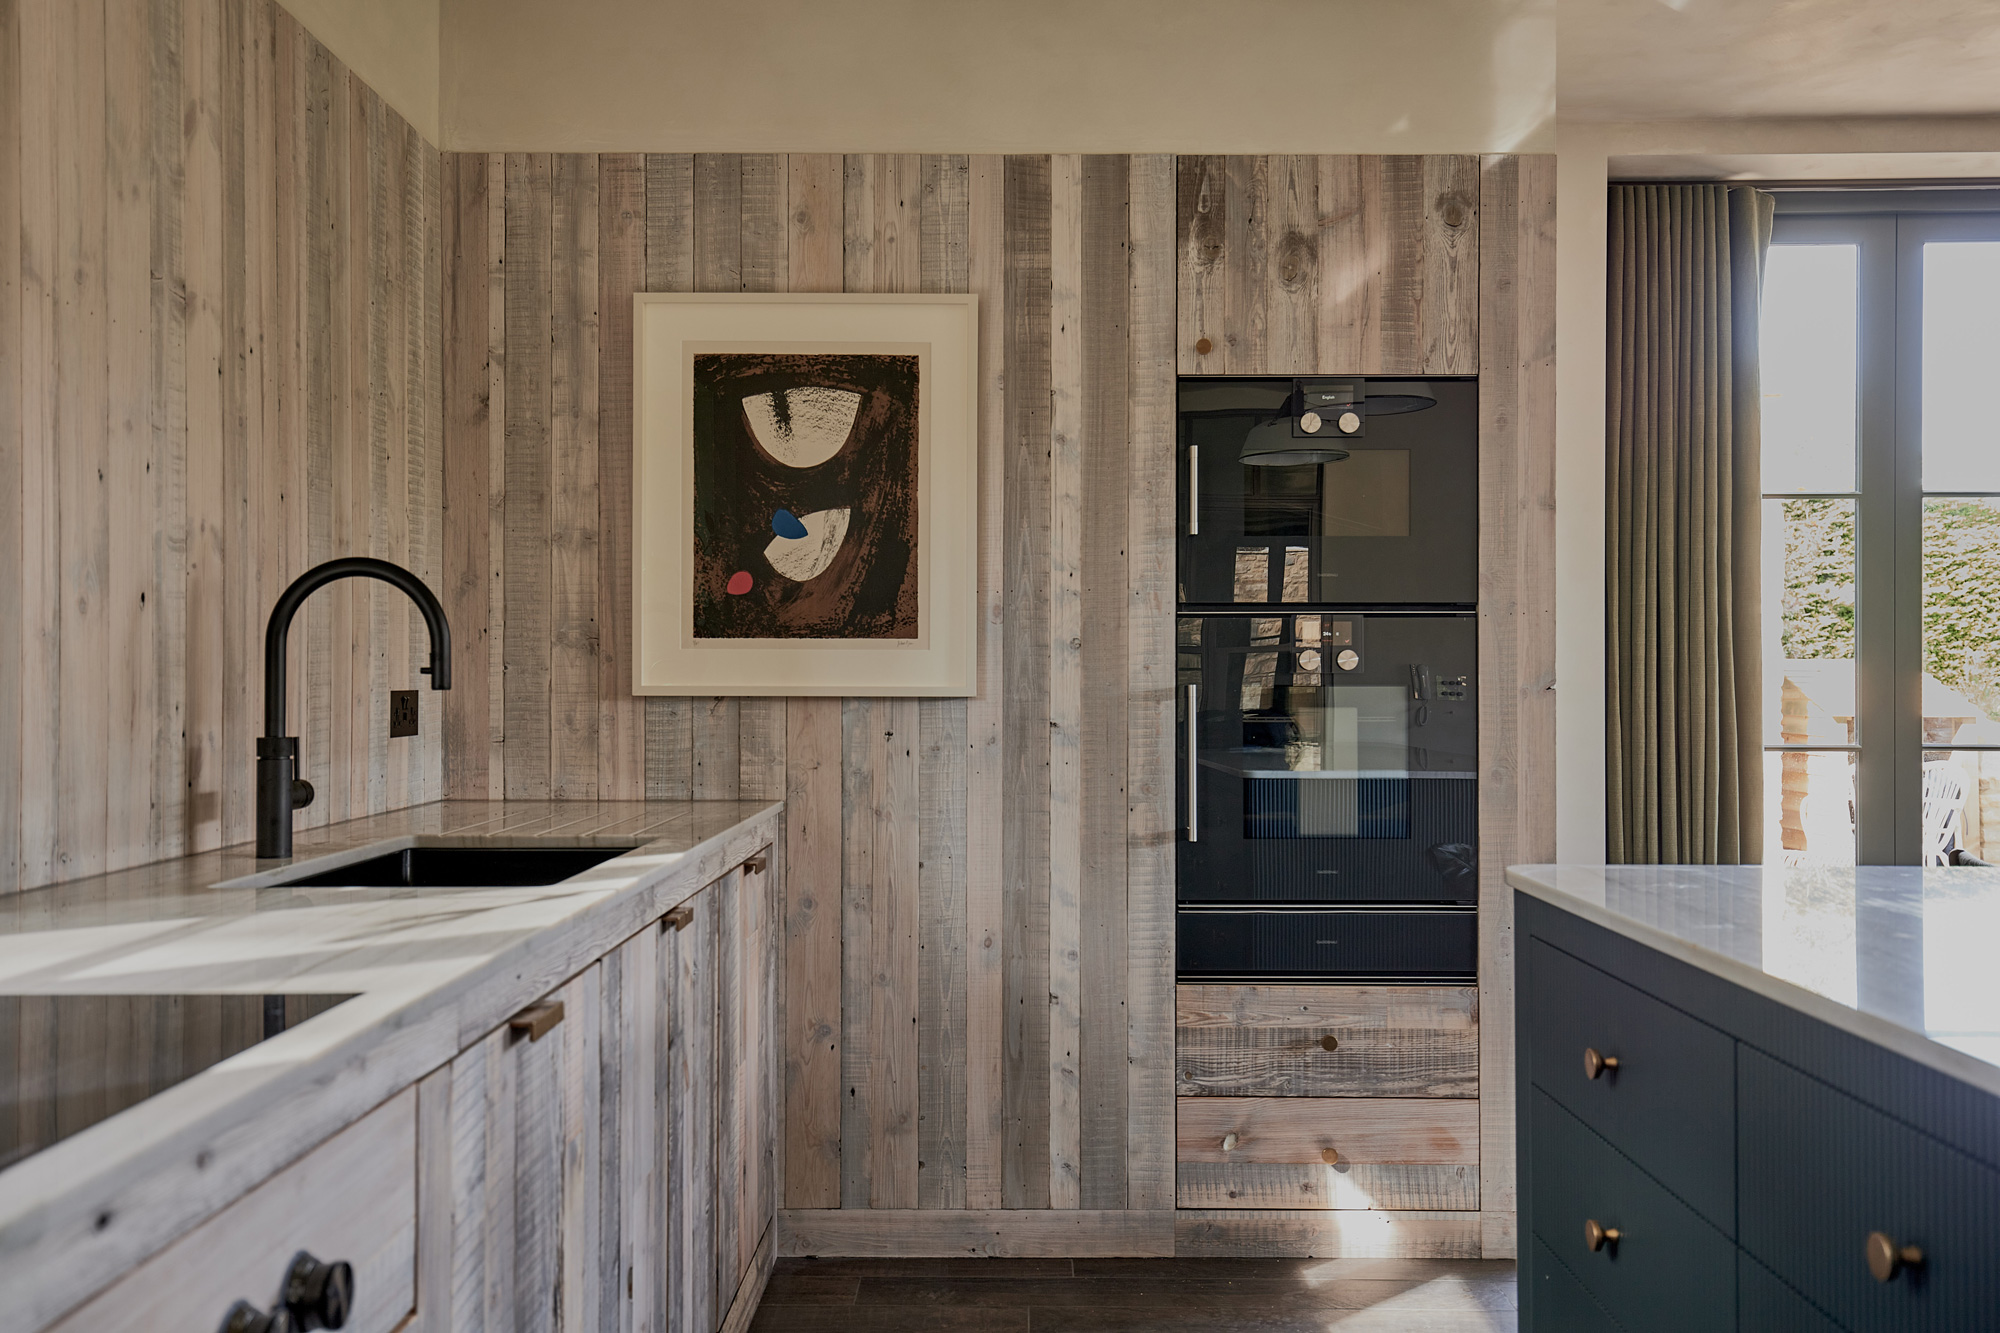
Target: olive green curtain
[(1684, 682)]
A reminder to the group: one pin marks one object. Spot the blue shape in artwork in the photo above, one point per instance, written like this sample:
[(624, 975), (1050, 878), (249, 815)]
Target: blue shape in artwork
[(786, 524)]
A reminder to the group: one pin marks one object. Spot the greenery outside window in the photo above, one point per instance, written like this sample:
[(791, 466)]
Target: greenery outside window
[(1880, 365)]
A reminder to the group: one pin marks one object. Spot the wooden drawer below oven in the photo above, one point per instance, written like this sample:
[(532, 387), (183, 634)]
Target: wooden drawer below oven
[(1326, 1041), (1272, 1152)]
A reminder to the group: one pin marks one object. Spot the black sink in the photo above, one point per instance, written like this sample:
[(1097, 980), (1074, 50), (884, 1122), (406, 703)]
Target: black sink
[(463, 867)]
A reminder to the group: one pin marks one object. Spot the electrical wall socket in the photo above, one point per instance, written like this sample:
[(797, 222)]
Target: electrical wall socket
[(402, 713)]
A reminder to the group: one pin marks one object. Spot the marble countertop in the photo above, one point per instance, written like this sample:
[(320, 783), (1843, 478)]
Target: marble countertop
[(1906, 957), (431, 971)]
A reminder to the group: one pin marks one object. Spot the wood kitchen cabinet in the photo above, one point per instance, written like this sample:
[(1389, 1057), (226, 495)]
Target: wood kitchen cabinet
[(610, 1168)]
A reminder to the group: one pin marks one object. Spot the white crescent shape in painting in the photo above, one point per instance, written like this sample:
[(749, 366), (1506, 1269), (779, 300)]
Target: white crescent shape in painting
[(816, 424), (802, 558)]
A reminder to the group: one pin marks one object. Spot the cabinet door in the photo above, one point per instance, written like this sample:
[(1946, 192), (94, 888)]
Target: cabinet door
[(515, 1204), (632, 1051), (688, 967), (746, 1147)]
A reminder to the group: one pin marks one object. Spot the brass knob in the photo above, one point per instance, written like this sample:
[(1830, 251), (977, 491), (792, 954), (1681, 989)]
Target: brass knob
[(1886, 1258), (1202, 347), (1229, 1143), (1329, 1156), (1329, 1042), (1595, 1064), (1597, 1236)]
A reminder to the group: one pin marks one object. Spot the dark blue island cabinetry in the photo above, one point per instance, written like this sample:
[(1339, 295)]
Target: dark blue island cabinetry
[(1708, 1145)]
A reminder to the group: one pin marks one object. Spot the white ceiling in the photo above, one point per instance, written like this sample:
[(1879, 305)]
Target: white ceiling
[(1729, 59)]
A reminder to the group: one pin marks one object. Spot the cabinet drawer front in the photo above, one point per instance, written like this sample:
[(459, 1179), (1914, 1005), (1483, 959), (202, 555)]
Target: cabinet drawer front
[(1553, 1301), (1821, 1171), (1670, 1104), (354, 1197), (1669, 1270), (1762, 1301), (1402, 1153), (1267, 1041)]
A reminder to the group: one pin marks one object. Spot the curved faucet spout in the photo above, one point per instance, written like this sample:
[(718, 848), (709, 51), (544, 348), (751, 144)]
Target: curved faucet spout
[(277, 753)]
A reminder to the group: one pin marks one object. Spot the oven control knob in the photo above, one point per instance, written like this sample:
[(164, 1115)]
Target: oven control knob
[(1310, 423), (1348, 659), (1349, 422)]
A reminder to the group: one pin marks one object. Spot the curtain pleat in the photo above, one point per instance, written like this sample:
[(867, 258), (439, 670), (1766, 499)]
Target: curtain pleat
[(1683, 689)]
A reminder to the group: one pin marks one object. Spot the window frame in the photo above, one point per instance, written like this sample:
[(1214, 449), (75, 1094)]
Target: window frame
[(1889, 228)]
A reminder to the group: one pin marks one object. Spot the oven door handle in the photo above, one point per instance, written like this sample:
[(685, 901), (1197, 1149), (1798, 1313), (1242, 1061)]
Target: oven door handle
[(1193, 812), (1194, 490)]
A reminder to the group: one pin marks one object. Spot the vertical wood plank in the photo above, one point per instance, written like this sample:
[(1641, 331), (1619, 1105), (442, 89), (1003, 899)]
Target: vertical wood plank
[(14, 644), (1025, 796), (858, 727), (1291, 293), (496, 473), (1105, 482), (691, 1259), (754, 1123), (730, 1083), (206, 669), (537, 1178), (942, 755), (669, 268), (1246, 253), (573, 480), (40, 501), (467, 454), (131, 592), (1353, 257), (813, 933), (814, 242), (1516, 621), (985, 712), (893, 963), (1149, 907), (610, 1292), (166, 417), (580, 1222), (1202, 200), (639, 1119), (1451, 289), (621, 271), (323, 389), (526, 555), (1065, 700)]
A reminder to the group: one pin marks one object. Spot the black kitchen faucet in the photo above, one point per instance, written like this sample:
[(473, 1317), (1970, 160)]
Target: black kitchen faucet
[(280, 790)]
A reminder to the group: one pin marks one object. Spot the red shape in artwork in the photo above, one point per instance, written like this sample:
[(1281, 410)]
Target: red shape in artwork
[(739, 583)]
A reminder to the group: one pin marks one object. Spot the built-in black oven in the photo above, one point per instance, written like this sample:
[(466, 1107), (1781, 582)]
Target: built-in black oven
[(1376, 504), (1328, 745)]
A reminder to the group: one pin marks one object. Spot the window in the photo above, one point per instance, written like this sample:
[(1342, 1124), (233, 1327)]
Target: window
[(1880, 360)]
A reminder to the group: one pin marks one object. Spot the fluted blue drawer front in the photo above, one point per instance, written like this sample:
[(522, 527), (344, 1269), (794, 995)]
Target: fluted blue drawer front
[(1558, 1300), (1820, 1171), (1763, 1302), (1670, 1105), (1669, 1271)]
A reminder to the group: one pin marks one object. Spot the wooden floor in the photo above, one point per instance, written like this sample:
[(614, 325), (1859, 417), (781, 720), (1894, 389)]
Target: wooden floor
[(1130, 1295)]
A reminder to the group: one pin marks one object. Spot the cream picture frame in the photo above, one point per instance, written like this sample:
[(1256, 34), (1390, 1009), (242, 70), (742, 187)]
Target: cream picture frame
[(669, 331)]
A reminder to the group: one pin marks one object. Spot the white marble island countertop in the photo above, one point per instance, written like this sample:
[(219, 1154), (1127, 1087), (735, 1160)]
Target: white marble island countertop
[(429, 970), (1905, 957)]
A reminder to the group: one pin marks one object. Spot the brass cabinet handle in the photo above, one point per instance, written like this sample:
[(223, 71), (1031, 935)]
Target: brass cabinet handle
[(535, 1021), (678, 917), (1886, 1258), (1329, 1042), (1329, 1156), (1229, 1142), (1595, 1064), (1597, 1236)]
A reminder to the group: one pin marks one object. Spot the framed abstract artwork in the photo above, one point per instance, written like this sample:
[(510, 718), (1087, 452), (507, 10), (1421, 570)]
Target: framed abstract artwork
[(805, 494)]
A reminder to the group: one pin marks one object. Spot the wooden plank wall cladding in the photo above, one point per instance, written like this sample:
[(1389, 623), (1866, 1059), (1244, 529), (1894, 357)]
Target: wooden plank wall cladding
[(977, 918), (219, 328), (978, 904)]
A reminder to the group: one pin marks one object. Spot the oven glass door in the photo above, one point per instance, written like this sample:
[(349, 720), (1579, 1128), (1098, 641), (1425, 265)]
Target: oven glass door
[(1327, 757), (1394, 523)]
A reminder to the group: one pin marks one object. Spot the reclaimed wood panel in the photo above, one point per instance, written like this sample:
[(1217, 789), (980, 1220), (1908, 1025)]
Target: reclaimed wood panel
[(731, 1079), (219, 193), (985, 712), (689, 959), (1247, 1041), (1517, 762), (1149, 675), (1025, 789), (1268, 1153), (573, 479), (621, 271), (1352, 1233), (813, 932), (1329, 265), (1367, 1185)]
